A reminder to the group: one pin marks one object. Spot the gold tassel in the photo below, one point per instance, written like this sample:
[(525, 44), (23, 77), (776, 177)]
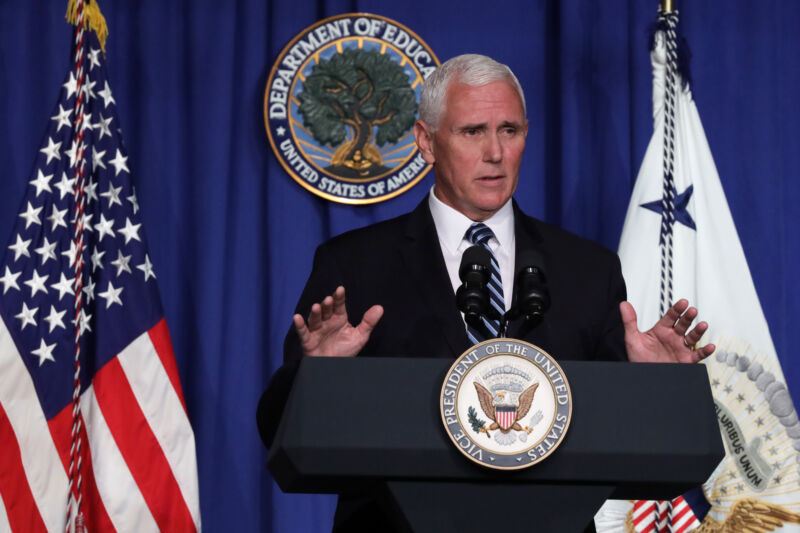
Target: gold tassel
[(92, 18)]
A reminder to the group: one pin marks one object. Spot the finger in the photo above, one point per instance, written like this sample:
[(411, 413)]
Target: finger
[(315, 317), (370, 320), (338, 301), (301, 329), (685, 321), (628, 318), (694, 336), (327, 308), (674, 313), (706, 350)]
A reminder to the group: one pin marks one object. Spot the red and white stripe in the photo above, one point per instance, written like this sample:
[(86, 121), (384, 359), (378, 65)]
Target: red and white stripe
[(644, 516), (505, 419), (651, 516), (681, 517), (139, 464), (4, 525), (33, 480)]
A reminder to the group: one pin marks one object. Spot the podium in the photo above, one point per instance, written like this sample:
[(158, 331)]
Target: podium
[(638, 431)]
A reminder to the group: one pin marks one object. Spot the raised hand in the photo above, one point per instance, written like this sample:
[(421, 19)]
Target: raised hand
[(328, 332), (668, 341)]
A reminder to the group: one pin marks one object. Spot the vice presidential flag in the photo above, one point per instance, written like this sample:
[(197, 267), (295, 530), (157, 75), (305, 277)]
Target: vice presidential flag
[(121, 456), (679, 241)]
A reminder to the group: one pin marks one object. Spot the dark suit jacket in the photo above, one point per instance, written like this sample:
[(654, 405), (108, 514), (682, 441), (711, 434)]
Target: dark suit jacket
[(399, 264)]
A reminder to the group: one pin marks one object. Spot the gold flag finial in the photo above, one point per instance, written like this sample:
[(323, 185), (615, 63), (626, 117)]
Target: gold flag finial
[(667, 6), (92, 19)]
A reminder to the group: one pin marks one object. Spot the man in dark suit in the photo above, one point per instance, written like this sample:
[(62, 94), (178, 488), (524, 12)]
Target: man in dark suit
[(401, 274)]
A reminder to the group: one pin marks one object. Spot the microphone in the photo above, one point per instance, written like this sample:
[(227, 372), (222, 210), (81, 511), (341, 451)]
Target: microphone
[(533, 298), (472, 297)]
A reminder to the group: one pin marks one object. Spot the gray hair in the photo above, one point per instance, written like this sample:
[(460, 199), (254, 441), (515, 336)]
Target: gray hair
[(471, 69)]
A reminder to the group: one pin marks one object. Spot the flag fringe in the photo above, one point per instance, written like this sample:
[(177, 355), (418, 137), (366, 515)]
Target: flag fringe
[(92, 18)]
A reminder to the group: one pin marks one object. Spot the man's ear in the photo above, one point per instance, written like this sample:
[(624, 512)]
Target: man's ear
[(424, 137)]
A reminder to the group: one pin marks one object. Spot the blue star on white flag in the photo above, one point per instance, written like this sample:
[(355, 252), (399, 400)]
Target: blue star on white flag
[(710, 269)]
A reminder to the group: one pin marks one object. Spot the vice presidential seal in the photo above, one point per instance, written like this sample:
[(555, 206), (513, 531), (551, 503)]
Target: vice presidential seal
[(340, 106), (506, 404)]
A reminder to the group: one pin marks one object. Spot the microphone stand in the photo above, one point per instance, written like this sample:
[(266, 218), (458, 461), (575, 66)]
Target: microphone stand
[(504, 320), (513, 314)]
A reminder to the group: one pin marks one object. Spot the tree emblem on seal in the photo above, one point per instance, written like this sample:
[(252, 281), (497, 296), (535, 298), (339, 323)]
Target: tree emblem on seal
[(362, 91)]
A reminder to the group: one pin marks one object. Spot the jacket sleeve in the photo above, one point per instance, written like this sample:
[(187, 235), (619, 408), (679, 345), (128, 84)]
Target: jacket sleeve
[(611, 342), (325, 277)]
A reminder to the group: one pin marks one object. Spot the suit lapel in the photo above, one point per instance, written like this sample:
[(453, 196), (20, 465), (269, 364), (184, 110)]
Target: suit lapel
[(423, 259), (527, 237)]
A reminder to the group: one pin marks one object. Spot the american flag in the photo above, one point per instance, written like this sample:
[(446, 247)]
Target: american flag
[(134, 466)]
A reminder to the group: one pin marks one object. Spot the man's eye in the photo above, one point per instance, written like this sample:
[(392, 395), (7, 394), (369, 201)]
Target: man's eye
[(471, 131), (510, 131)]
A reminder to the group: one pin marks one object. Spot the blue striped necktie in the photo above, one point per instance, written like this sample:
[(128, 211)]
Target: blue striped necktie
[(480, 234)]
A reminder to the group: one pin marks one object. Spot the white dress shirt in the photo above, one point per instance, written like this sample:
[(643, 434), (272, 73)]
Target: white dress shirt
[(452, 226)]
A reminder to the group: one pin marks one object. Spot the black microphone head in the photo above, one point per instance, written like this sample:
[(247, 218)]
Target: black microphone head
[(533, 298), (472, 297), (472, 257), (532, 259)]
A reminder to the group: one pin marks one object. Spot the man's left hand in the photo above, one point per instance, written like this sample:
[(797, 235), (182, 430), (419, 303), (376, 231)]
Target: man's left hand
[(668, 341)]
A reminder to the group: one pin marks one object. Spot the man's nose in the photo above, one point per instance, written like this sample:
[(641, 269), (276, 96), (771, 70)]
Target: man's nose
[(492, 150)]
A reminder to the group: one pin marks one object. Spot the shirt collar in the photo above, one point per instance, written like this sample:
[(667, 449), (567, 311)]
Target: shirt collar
[(451, 225)]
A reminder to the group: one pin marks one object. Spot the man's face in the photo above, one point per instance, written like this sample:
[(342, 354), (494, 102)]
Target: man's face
[(477, 149)]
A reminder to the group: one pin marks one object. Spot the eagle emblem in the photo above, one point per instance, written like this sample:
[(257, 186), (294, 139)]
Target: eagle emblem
[(506, 401), (751, 515), (501, 407)]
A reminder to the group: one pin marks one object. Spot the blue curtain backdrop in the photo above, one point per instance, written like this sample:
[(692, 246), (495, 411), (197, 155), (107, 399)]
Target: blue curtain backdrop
[(232, 236)]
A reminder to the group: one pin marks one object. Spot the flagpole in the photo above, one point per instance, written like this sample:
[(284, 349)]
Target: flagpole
[(666, 6)]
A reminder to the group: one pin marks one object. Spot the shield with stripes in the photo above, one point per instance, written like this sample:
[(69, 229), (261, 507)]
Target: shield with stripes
[(505, 416)]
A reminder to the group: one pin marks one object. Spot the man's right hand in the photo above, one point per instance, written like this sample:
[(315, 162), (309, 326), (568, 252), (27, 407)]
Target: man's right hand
[(328, 333)]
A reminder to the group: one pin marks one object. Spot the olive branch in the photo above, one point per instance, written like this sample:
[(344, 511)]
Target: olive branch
[(478, 425)]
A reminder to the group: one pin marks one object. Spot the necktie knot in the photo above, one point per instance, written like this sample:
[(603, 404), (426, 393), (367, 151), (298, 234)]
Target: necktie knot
[(479, 233)]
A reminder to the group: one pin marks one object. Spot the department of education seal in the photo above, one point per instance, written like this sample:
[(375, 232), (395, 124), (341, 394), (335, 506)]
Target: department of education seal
[(506, 404), (340, 106)]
